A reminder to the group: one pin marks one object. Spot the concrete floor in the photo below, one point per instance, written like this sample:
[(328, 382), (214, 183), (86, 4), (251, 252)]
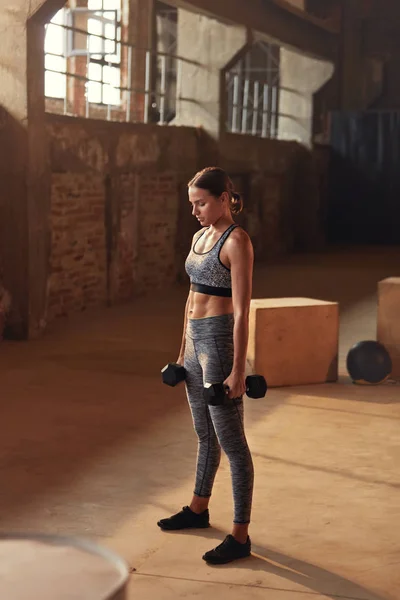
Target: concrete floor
[(91, 444)]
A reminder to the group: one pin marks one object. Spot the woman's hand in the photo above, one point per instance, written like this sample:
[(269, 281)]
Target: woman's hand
[(180, 360), (237, 385)]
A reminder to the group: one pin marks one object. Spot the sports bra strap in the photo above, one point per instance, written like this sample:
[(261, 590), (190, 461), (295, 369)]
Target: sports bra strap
[(226, 234)]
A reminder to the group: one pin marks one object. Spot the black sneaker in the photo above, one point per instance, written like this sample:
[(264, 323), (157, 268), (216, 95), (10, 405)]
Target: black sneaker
[(186, 519), (229, 550)]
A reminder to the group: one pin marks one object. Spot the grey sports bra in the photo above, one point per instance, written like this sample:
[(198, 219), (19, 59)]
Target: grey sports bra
[(206, 272)]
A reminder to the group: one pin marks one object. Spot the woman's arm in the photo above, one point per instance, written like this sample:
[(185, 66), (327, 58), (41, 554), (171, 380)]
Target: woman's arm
[(183, 343), (241, 258), (185, 318)]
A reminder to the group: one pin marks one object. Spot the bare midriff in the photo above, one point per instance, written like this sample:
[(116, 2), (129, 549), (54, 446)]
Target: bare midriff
[(202, 306)]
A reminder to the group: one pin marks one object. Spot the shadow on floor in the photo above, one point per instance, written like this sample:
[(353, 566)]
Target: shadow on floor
[(320, 469), (311, 577), (308, 575)]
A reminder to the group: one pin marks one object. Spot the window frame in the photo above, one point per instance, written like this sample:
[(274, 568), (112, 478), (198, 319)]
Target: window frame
[(101, 58)]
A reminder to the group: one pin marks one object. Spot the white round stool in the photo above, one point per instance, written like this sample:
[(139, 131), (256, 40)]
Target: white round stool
[(42, 567)]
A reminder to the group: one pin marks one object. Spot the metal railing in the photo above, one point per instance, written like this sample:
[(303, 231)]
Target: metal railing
[(149, 89), (254, 107)]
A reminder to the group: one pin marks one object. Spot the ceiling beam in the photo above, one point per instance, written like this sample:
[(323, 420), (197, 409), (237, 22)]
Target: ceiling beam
[(46, 10), (290, 28)]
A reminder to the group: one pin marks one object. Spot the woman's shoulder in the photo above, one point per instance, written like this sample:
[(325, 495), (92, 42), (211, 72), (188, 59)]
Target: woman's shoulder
[(238, 251), (239, 246), (239, 236)]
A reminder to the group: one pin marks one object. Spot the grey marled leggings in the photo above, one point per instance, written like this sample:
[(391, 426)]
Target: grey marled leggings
[(209, 359)]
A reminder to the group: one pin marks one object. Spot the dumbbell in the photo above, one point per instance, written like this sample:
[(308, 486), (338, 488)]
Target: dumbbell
[(215, 394), (172, 374)]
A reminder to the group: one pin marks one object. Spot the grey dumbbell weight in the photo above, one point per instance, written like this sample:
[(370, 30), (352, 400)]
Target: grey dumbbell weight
[(215, 394)]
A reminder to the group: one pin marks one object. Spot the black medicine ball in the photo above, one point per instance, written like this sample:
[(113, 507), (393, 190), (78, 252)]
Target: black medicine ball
[(369, 363)]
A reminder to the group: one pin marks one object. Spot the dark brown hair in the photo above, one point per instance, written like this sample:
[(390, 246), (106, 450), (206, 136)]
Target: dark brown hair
[(216, 181)]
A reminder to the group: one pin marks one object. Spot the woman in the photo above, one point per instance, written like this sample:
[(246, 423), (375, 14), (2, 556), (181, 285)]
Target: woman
[(214, 347)]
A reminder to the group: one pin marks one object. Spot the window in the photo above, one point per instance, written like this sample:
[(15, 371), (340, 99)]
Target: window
[(104, 70), (93, 70), (55, 56), (253, 91), (92, 36)]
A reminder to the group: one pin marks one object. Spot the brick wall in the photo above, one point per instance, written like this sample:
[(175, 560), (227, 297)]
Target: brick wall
[(81, 261), (159, 206), (123, 182), (78, 243), (282, 201), (127, 250), (121, 222)]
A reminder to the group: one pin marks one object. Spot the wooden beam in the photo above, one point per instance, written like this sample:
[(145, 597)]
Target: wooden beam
[(264, 16), (46, 11)]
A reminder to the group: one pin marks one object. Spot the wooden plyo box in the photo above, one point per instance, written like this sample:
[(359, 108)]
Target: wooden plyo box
[(294, 341), (388, 329)]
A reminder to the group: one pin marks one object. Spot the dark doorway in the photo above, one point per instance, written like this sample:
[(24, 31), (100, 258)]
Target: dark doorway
[(364, 178)]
